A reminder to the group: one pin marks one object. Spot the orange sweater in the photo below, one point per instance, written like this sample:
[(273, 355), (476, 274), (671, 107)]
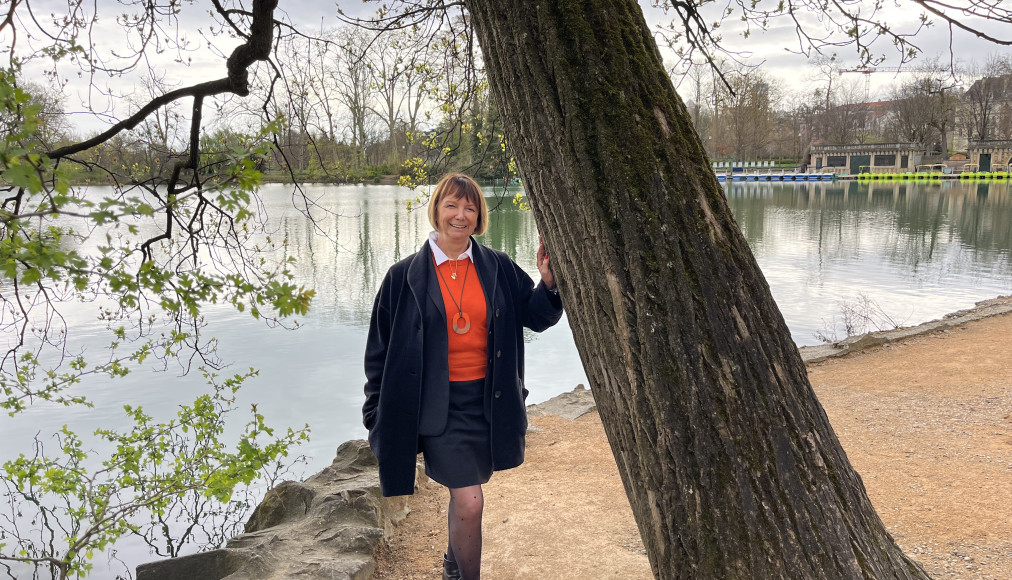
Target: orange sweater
[(468, 352)]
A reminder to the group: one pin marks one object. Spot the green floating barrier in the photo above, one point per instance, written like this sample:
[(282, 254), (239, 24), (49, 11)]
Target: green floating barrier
[(933, 176)]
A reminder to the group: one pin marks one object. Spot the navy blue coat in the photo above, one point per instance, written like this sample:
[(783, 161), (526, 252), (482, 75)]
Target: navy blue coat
[(407, 389)]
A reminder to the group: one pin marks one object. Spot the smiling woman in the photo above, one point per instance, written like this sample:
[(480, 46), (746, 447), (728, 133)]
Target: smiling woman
[(444, 364)]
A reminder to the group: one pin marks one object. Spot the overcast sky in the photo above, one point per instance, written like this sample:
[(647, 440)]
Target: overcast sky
[(774, 48)]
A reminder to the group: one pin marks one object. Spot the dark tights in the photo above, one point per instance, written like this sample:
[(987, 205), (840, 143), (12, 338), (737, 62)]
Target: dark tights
[(464, 519)]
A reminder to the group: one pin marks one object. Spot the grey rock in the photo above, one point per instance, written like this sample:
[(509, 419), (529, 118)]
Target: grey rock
[(289, 501), (324, 528), (203, 566), (571, 405)]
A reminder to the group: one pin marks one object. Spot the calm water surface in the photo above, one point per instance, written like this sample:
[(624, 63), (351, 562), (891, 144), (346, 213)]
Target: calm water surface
[(918, 251)]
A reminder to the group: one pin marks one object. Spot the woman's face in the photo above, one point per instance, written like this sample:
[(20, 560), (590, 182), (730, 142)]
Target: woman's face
[(456, 219)]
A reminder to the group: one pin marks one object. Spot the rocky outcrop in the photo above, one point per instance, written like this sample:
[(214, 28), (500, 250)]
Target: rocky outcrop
[(571, 405), (323, 528)]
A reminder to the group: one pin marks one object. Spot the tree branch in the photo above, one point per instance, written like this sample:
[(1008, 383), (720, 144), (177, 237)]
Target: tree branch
[(419, 12), (257, 47), (992, 13), (204, 89), (8, 22)]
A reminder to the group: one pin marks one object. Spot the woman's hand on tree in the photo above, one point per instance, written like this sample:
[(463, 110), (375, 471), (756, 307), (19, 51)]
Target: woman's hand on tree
[(545, 266)]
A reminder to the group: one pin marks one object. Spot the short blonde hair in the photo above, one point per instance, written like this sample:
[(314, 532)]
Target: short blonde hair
[(458, 185)]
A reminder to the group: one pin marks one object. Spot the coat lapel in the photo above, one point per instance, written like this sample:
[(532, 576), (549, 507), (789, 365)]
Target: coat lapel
[(422, 279), (488, 271)]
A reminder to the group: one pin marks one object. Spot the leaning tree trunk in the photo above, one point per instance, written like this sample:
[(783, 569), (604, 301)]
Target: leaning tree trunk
[(729, 461)]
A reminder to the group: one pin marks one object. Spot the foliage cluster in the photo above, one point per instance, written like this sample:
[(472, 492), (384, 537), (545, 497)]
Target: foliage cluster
[(61, 245)]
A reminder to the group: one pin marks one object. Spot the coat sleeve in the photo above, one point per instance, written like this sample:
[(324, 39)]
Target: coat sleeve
[(539, 308), (376, 346)]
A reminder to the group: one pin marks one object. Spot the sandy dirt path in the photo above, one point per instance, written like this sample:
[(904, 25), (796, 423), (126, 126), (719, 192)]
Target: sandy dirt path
[(927, 422)]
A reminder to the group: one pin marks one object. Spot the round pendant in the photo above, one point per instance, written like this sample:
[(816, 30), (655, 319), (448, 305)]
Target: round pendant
[(467, 323)]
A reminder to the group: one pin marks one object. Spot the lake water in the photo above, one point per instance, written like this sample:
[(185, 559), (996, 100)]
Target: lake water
[(918, 251)]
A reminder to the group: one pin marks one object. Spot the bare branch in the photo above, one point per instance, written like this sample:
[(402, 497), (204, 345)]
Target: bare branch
[(412, 14), (256, 48), (993, 11)]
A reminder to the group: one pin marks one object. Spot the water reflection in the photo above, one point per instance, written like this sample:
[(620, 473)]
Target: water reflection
[(919, 250), (977, 213)]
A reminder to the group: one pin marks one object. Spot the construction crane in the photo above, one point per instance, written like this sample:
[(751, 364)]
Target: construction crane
[(867, 71)]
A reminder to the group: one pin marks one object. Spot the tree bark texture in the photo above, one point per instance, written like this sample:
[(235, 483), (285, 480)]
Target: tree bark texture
[(729, 460)]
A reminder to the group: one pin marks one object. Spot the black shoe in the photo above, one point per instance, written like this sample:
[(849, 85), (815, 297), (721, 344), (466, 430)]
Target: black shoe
[(450, 570)]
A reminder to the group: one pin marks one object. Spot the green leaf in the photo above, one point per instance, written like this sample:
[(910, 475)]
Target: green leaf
[(22, 175), (31, 276)]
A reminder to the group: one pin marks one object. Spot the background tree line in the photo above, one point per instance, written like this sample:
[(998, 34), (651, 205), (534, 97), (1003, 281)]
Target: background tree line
[(354, 107), (358, 107), (753, 116)]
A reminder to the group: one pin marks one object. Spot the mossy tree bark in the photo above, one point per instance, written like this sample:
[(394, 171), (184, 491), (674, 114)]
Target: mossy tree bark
[(729, 461)]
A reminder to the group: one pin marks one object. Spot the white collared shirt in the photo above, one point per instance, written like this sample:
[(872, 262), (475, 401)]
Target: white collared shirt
[(440, 255)]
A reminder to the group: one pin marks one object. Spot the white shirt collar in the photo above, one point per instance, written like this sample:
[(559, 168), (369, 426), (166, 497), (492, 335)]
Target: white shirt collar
[(440, 255)]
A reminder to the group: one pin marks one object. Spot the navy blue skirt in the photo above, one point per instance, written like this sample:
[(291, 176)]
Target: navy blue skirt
[(461, 456)]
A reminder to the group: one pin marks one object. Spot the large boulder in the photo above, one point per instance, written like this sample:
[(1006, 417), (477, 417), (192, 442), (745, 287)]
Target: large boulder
[(324, 528)]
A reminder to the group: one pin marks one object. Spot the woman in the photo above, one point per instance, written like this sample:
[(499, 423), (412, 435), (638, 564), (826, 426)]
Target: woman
[(444, 364)]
